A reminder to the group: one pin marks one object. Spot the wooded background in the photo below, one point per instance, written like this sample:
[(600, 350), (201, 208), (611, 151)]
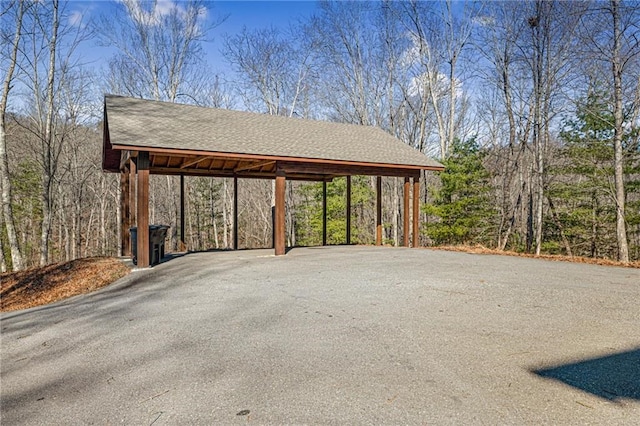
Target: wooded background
[(533, 106)]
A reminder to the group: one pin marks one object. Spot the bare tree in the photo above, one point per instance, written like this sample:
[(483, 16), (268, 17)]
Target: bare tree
[(497, 39), (439, 37), (274, 71), (159, 49), (5, 182), (609, 35), (618, 68), (345, 38)]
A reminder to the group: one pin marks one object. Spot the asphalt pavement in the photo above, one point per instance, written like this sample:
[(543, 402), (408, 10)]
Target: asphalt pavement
[(333, 335)]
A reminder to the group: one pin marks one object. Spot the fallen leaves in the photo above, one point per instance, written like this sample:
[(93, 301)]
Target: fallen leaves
[(40, 286), (478, 249)]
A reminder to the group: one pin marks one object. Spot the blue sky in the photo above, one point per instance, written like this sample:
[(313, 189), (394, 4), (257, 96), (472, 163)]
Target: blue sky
[(252, 14)]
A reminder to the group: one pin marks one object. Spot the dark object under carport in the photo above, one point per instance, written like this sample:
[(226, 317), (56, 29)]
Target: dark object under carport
[(157, 235)]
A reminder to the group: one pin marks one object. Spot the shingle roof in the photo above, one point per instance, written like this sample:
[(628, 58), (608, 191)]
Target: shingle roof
[(142, 123)]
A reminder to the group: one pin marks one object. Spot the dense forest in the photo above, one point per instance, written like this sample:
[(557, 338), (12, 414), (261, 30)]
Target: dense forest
[(533, 106)]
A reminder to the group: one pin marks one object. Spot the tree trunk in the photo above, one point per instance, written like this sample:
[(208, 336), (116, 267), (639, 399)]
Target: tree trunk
[(49, 155), (3, 263), (225, 217), (5, 182), (558, 222), (536, 25), (616, 65), (214, 226), (103, 224), (291, 220)]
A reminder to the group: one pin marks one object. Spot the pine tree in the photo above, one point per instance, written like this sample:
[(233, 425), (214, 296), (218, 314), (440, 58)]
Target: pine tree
[(582, 186), (461, 207)]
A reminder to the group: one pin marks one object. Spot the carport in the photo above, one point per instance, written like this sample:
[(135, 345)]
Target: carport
[(143, 137)]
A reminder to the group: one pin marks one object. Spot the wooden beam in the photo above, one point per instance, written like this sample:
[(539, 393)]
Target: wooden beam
[(183, 238), (416, 212), (143, 209), (247, 174), (194, 161), (346, 170), (253, 166), (324, 213), (125, 214), (379, 211), (235, 213), (406, 213), (348, 209), (317, 161), (279, 227)]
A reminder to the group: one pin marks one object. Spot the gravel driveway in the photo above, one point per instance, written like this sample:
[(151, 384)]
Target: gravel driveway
[(333, 335)]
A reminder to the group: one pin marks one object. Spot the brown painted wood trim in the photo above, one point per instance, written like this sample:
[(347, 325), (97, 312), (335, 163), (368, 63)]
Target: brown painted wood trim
[(183, 238), (133, 206), (345, 170), (348, 230), (379, 211), (125, 238), (235, 213), (279, 228), (416, 212), (257, 165), (143, 210), (406, 212), (233, 155), (194, 161), (229, 174), (324, 213)]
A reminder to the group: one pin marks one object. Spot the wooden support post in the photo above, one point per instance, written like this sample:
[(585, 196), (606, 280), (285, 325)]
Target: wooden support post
[(348, 209), (379, 211), (279, 227), (406, 213), (125, 238), (416, 212), (235, 213), (133, 207), (183, 238), (324, 213), (143, 209)]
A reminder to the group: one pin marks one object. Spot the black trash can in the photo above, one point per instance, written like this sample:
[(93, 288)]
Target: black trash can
[(157, 236)]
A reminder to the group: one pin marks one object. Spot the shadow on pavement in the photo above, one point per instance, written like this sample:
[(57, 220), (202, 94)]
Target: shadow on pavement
[(611, 377)]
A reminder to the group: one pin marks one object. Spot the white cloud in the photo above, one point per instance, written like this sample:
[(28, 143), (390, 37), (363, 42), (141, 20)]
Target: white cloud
[(148, 17), (420, 83), (161, 8), (164, 7), (75, 18), (484, 21)]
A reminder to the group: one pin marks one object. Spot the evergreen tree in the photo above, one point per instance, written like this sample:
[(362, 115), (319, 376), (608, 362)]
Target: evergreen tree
[(461, 207), (582, 186)]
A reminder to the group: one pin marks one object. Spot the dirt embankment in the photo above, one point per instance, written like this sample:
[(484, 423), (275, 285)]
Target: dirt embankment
[(40, 286)]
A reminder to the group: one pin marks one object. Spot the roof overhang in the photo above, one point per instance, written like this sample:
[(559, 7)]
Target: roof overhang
[(166, 131)]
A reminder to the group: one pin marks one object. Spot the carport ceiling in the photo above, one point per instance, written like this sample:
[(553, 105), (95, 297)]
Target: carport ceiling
[(197, 141)]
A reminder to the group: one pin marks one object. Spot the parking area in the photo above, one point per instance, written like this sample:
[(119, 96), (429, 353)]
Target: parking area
[(333, 335)]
